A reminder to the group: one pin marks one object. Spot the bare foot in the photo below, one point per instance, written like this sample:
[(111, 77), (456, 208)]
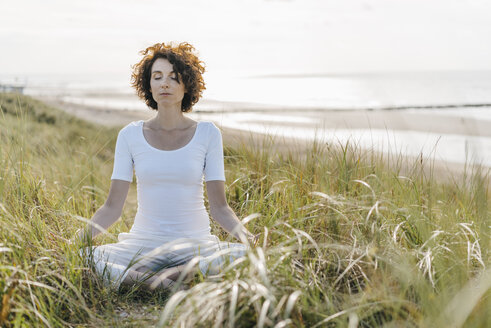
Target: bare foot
[(165, 284)]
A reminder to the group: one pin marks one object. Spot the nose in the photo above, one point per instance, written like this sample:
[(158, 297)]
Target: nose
[(165, 84)]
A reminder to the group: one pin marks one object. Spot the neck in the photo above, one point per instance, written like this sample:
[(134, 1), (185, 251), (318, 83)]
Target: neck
[(170, 117)]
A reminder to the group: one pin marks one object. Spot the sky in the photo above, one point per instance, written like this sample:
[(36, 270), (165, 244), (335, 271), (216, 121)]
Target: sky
[(251, 37)]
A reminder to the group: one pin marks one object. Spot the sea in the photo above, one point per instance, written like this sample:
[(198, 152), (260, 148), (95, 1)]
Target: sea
[(293, 106)]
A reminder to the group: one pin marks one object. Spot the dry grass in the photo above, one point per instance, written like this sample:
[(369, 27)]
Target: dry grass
[(346, 239)]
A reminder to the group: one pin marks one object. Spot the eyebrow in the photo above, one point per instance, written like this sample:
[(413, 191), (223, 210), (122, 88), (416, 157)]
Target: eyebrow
[(161, 72)]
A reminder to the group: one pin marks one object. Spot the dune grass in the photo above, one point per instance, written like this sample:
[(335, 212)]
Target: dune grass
[(346, 239)]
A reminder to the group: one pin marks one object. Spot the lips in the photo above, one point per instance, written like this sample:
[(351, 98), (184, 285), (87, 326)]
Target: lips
[(165, 94)]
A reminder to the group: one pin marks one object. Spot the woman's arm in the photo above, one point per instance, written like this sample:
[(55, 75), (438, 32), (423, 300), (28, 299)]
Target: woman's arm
[(108, 213), (224, 215)]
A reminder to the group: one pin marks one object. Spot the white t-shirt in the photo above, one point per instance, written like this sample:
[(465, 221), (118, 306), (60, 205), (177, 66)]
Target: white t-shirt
[(170, 183)]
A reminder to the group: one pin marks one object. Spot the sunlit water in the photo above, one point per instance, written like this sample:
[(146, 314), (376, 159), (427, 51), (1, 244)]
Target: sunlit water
[(446, 147)]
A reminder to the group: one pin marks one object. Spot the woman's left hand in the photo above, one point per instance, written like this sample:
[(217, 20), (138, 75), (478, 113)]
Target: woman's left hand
[(254, 239)]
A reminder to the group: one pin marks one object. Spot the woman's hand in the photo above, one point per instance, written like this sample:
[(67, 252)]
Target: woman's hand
[(253, 239), (55, 236), (76, 237)]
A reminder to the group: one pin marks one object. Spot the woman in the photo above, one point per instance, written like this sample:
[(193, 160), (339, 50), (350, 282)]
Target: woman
[(170, 155)]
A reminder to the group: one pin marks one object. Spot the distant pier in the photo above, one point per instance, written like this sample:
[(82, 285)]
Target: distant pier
[(16, 88)]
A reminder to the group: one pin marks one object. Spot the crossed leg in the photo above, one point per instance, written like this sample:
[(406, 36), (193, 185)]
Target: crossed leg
[(164, 279)]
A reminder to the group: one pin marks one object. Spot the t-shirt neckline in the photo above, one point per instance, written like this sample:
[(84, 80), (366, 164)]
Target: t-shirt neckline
[(172, 150)]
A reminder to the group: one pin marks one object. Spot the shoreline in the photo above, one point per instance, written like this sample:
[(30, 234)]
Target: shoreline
[(355, 119)]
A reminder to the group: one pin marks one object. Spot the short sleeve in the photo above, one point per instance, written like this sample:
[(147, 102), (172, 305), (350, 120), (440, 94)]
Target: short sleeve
[(214, 168), (123, 161)]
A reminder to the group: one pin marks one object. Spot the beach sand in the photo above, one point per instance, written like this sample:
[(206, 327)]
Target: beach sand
[(356, 119)]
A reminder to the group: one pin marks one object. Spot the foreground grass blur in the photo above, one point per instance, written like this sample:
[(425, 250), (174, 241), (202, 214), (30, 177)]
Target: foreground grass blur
[(346, 240)]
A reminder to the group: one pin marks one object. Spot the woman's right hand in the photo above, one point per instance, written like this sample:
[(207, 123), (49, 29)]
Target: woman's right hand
[(68, 241), (76, 237)]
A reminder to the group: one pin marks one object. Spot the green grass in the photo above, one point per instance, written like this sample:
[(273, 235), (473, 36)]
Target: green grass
[(347, 240)]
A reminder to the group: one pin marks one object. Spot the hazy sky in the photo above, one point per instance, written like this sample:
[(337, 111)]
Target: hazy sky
[(247, 36)]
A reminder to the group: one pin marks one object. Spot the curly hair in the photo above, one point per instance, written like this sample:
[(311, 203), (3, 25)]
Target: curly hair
[(183, 60)]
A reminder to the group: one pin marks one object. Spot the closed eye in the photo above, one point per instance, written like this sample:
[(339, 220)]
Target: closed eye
[(172, 77)]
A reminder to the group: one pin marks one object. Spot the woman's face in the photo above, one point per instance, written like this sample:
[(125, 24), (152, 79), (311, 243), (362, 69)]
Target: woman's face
[(164, 83)]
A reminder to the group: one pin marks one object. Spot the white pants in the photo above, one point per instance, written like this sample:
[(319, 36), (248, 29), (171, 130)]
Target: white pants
[(149, 253)]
